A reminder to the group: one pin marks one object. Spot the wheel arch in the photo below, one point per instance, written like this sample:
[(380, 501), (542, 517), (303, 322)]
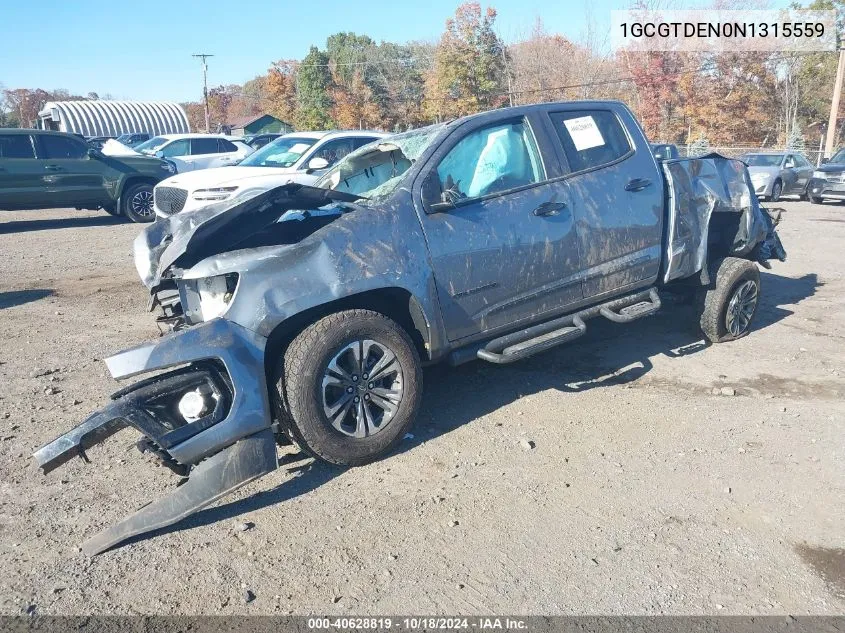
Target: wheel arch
[(396, 303)]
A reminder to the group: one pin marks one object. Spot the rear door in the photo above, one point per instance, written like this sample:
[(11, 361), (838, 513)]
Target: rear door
[(71, 178), (617, 195), (205, 152), (507, 252), (21, 183)]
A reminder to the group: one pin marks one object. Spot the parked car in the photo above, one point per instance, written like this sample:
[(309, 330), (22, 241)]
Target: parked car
[(774, 174), (260, 140), (297, 157), (665, 151), (97, 142), (306, 313), (41, 169), (828, 180), (196, 151), (134, 139)]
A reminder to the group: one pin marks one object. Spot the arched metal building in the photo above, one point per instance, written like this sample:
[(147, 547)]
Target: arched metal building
[(112, 118)]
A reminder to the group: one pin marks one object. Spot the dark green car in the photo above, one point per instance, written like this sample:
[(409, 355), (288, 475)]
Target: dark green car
[(41, 169)]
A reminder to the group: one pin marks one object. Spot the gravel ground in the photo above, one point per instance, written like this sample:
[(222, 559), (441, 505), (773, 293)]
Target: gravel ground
[(637, 471)]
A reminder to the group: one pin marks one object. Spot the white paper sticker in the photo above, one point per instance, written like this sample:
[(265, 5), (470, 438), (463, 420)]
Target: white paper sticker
[(584, 132)]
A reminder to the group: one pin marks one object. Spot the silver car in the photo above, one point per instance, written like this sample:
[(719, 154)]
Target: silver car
[(777, 174)]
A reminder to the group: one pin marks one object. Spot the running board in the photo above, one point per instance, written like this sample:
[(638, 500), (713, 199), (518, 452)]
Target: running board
[(538, 338), (634, 311)]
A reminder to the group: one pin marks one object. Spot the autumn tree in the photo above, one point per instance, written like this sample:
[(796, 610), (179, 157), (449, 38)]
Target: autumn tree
[(279, 91), (469, 65), (314, 82)]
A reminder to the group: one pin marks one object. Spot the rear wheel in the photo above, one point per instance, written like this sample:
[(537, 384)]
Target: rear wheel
[(350, 385), (137, 203), (729, 304)]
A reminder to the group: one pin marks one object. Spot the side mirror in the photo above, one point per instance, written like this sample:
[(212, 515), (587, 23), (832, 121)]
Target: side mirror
[(159, 154), (825, 160), (316, 164), (93, 153)]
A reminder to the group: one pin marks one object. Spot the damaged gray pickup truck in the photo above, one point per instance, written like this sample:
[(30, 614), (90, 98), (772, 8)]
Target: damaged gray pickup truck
[(305, 314)]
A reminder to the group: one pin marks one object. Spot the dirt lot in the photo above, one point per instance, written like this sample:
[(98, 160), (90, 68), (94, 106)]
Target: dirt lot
[(646, 492)]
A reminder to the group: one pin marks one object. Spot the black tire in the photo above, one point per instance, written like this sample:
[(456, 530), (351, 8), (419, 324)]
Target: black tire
[(303, 393), (815, 200), (777, 189), (729, 278), (137, 202)]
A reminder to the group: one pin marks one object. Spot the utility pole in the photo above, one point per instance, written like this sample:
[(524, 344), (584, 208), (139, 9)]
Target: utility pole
[(834, 106), (204, 57)]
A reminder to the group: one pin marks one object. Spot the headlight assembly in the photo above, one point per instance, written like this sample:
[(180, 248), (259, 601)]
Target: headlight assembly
[(760, 177), (207, 298), (213, 193)]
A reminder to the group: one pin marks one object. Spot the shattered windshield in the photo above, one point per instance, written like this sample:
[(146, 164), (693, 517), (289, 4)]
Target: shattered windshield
[(376, 170)]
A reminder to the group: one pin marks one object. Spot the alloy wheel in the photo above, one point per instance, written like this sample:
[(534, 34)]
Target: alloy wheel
[(362, 388), (741, 308)]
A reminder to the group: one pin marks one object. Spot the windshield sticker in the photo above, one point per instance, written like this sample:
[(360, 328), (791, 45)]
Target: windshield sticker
[(584, 132)]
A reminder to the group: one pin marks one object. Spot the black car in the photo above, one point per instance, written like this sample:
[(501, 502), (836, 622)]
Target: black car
[(828, 181), (260, 140)]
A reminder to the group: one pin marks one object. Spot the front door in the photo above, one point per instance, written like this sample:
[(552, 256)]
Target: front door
[(71, 178), (506, 252)]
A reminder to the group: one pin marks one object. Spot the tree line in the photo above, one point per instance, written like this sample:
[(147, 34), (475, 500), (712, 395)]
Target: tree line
[(727, 99)]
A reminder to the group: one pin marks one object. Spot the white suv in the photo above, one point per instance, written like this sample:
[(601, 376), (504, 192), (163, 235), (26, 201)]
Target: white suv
[(296, 157), (196, 151)]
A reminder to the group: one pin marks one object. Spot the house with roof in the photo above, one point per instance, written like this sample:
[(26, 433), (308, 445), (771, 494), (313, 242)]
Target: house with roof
[(258, 124)]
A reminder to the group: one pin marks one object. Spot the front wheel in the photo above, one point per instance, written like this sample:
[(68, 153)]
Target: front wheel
[(815, 199), (137, 203), (729, 304), (777, 189), (350, 385)]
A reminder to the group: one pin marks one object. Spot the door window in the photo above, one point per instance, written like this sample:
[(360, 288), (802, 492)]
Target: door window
[(62, 147), (16, 146), (801, 161), (176, 148), (490, 160), (590, 138), (334, 150), (224, 146), (204, 146)]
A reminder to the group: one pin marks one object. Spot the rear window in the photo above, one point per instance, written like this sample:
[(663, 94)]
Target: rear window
[(204, 146), (16, 146), (590, 138)]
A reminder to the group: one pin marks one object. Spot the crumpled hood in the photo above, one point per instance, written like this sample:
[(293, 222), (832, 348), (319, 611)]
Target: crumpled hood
[(183, 239), (229, 176)]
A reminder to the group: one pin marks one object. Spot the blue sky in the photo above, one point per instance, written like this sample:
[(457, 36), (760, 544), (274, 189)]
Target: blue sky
[(141, 49)]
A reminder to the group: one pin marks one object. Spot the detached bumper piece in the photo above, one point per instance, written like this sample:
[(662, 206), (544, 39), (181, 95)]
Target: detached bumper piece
[(208, 420)]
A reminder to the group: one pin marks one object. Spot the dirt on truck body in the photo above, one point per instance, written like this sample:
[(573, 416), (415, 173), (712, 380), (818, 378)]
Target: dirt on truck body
[(304, 314)]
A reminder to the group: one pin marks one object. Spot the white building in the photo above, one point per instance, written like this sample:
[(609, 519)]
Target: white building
[(112, 118)]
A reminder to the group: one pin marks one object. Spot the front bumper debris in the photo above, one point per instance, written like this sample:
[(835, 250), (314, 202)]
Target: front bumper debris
[(226, 446)]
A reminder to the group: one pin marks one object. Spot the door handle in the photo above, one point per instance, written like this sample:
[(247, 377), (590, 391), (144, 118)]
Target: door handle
[(637, 184), (549, 208), (53, 168)]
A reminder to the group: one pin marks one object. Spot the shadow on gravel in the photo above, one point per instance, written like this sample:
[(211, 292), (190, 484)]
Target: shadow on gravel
[(25, 226), (12, 298), (608, 354)]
